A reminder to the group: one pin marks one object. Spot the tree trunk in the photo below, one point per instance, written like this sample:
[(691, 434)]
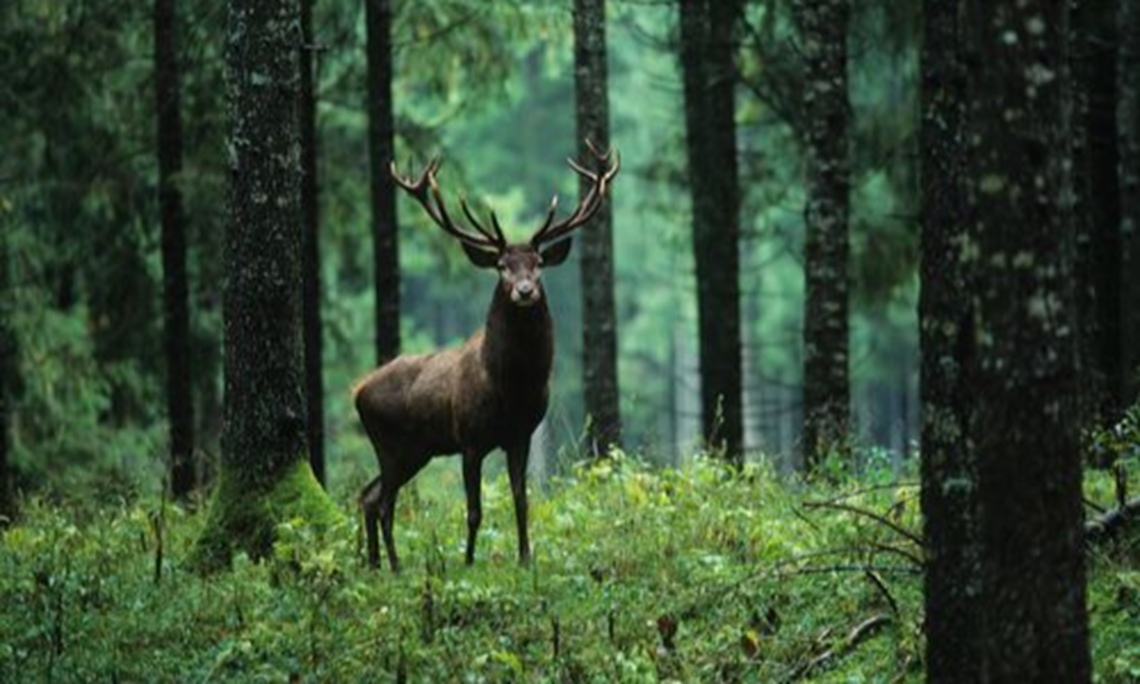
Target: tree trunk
[(265, 477), (381, 152), (311, 251), (1097, 184), (949, 471), (599, 320), (176, 297), (826, 402), (8, 372), (1025, 378), (1129, 128), (707, 60)]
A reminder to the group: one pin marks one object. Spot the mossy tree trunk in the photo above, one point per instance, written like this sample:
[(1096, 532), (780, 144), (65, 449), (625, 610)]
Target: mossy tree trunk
[(599, 319), (949, 472), (265, 477), (381, 152), (1129, 126), (708, 34), (823, 28), (176, 289), (311, 250), (1025, 379)]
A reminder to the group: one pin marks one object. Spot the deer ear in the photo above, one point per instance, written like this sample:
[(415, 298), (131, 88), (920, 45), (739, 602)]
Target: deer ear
[(556, 253), (481, 258)]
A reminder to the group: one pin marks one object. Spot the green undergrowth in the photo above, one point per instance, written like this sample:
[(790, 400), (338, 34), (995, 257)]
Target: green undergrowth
[(690, 575)]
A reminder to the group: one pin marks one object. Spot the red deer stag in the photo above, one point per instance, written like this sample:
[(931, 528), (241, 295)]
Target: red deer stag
[(489, 393)]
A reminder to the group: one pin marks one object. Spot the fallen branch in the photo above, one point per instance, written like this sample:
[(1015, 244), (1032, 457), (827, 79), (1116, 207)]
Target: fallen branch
[(1107, 525), (858, 634), (902, 531)]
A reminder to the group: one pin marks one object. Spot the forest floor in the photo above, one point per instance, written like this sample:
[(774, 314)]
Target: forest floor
[(689, 575)]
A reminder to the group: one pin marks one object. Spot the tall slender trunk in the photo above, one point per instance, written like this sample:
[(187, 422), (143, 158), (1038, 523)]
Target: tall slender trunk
[(708, 31), (599, 320), (265, 476), (1129, 128), (1025, 377), (949, 471), (381, 152), (176, 297), (1097, 184), (311, 248), (826, 402), (8, 373)]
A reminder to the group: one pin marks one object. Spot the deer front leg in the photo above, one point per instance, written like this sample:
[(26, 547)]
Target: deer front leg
[(516, 467), (473, 484)]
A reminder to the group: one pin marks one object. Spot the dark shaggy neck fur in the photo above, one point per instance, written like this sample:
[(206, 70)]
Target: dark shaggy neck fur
[(518, 347)]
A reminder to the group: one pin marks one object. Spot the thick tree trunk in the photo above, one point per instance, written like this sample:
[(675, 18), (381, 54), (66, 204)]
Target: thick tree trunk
[(949, 471), (599, 320), (1098, 216), (311, 250), (708, 32), (823, 34), (176, 297), (1025, 378), (1129, 125), (265, 477), (381, 152)]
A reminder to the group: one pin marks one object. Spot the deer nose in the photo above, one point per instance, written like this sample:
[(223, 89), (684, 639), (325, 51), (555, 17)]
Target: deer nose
[(525, 289)]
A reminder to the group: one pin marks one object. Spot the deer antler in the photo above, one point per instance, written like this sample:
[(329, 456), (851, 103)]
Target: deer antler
[(425, 190), (587, 206)]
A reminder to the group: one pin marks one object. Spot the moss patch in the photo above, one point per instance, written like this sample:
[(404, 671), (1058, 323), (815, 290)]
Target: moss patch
[(244, 519)]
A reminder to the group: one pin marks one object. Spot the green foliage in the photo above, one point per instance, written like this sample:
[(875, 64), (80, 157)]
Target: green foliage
[(639, 576)]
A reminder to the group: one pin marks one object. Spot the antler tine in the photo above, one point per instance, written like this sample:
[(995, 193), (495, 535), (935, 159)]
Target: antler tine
[(588, 206), (425, 190), (496, 237)]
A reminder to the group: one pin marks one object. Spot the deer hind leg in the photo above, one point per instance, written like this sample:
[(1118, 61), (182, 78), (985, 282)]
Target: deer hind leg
[(516, 467), (473, 485), (370, 504)]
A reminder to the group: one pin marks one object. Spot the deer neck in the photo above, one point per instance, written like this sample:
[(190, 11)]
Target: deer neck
[(518, 345)]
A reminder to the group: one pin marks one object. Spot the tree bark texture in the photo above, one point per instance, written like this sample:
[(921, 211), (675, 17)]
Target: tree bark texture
[(599, 318), (8, 374), (826, 396), (311, 249), (708, 31), (1129, 129), (1025, 379), (265, 474), (1098, 216), (381, 152), (949, 471), (176, 297)]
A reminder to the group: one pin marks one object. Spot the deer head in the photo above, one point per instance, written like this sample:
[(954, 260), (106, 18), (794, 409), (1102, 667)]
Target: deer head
[(520, 265)]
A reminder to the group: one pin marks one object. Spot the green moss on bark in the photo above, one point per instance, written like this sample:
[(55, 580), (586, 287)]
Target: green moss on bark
[(244, 519)]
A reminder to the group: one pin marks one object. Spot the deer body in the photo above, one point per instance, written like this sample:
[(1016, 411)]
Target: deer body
[(490, 393)]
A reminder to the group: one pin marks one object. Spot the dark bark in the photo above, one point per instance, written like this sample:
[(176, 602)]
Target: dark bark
[(599, 320), (1025, 378), (707, 60), (1098, 215), (381, 152), (8, 383), (826, 401), (264, 475), (176, 297), (1129, 128), (949, 471), (311, 249)]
